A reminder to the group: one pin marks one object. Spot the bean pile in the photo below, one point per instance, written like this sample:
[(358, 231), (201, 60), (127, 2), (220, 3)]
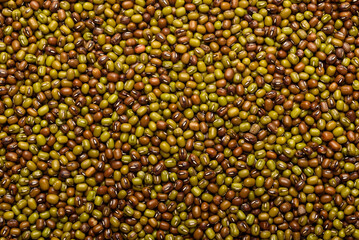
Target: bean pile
[(179, 119)]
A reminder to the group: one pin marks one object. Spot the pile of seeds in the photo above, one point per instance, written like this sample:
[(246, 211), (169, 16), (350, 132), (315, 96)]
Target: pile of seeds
[(179, 119)]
